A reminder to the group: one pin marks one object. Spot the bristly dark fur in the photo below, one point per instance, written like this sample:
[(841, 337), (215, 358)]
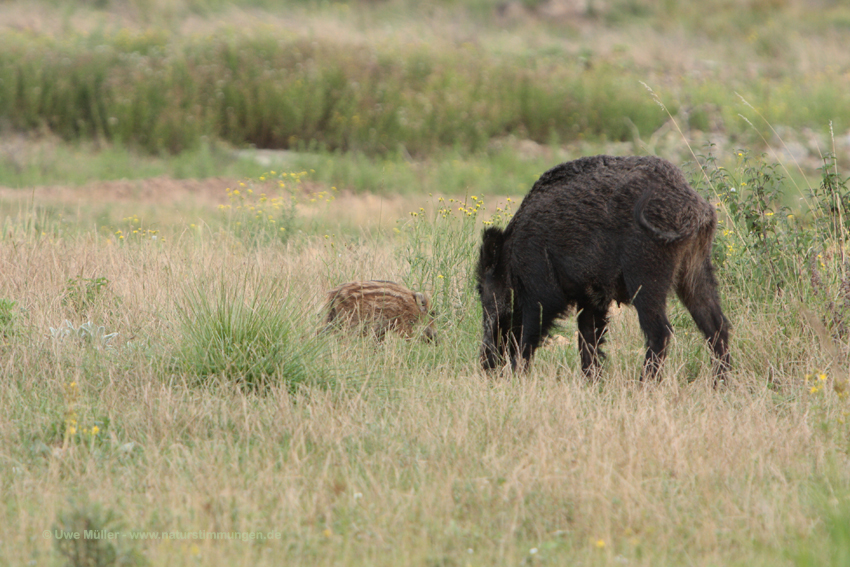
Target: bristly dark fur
[(378, 306), (593, 231)]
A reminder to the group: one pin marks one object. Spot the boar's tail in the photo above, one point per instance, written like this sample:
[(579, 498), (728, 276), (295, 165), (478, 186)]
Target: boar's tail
[(640, 218)]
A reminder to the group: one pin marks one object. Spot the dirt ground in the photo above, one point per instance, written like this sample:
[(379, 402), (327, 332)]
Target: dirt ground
[(170, 195), (153, 191)]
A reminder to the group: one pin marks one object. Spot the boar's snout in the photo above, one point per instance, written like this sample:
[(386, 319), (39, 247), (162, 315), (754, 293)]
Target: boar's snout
[(429, 332)]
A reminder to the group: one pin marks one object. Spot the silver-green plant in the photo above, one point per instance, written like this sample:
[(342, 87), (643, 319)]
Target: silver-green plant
[(87, 334)]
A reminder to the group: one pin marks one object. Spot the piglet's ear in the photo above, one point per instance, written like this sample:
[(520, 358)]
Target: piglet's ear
[(491, 247), (421, 301)]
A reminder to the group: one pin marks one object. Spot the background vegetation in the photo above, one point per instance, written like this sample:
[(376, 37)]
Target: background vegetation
[(162, 371), (402, 80)]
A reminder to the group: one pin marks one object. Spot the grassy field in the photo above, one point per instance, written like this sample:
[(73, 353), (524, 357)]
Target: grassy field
[(170, 379), (163, 381)]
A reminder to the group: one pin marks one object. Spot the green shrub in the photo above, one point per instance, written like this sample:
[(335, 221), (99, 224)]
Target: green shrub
[(771, 254), (760, 238)]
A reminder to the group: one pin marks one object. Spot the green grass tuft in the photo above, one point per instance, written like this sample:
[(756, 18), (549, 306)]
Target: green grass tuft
[(250, 338)]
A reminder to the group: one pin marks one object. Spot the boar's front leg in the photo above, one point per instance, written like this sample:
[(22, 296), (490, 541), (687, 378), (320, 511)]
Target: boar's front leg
[(592, 323), (524, 340)]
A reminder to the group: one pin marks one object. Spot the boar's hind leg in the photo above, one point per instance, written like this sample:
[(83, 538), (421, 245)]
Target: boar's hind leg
[(699, 295), (592, 322), (650, 301)]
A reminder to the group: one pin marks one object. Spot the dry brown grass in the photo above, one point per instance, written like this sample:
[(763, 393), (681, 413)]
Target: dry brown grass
[(414, 457)]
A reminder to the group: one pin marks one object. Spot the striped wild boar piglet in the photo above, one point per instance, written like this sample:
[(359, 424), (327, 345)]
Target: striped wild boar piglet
[(592, 231), (377, 306)]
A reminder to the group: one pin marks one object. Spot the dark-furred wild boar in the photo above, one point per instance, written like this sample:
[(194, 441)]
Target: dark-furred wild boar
[(379, 306), (592, 231)]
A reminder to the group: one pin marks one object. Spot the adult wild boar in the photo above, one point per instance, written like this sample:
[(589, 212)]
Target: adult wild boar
[(592, 231), (379, 306)]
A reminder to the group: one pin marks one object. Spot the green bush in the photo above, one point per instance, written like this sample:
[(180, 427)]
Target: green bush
[(773, 254)]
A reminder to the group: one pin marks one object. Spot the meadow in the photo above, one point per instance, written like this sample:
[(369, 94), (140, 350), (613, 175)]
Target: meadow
[(165, 393)]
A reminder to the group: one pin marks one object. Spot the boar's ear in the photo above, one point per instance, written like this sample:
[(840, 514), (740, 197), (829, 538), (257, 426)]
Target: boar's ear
[(421, 301), (491, 247)]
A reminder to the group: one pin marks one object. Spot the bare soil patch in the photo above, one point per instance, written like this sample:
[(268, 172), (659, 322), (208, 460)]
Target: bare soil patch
[(161, 190), (164, 193)]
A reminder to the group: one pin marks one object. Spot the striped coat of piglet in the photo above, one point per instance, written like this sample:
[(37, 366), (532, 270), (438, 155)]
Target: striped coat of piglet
[(377, 306)]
